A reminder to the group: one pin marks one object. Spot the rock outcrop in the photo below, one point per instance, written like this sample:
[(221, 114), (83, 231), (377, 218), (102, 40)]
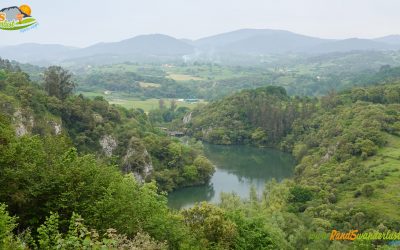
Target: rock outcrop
[(55, 127), (23, 123), (108, 144), (187, 118), (137, 160)]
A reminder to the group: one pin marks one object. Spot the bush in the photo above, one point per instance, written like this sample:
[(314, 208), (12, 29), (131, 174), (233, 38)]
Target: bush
[(300, 194), (7, 225), (367, 190), (357, 194), (299, 151)]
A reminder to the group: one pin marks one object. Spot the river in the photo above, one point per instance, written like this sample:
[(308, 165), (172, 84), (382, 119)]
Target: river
[(237, 169)]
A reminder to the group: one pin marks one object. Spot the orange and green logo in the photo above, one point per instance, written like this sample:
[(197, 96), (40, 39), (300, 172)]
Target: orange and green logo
[(17, 18)]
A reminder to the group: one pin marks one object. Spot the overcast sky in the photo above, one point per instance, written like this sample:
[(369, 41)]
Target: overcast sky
[(85, 22)]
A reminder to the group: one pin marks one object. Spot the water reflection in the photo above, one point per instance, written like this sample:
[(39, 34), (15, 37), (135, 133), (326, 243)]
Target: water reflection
[(238, 168)]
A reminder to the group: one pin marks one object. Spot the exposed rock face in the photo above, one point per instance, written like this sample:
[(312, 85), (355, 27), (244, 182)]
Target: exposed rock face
[(20, 130), (187, 118), (57, 128), (206, 132), (22, 124), (330, 153), (109, 144), (137, 160)]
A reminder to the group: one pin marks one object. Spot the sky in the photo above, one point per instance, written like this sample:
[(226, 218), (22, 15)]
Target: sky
[(82, 23)]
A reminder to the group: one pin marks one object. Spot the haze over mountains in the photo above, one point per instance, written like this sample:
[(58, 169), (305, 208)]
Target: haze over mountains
[(158, 47)]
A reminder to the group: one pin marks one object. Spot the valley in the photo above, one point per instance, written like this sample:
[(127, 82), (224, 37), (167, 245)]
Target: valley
[(251, 157), (248, 139)]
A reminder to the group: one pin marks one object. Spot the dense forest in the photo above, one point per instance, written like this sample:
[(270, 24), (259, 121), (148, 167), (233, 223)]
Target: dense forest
[(79, 173), (122, 137), (261, 116)]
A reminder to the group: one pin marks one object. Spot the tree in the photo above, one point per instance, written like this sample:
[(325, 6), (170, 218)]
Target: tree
[(58, 82), (7, 225), (367, 190), (300, 194), (161, 104), (81, 237), (204, 167), (259, 136), (173, 105), (211, 225)]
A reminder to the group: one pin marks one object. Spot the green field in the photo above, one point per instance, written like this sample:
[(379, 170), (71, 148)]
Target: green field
[(182, 77), (385, 164), (149, 104), (145, 104), (149, 85)]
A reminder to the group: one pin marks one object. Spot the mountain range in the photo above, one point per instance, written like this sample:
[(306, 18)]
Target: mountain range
[(155, 47)]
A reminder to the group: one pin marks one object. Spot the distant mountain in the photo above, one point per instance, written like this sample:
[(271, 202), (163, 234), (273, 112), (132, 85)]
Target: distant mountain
[(266, 41), (35, 53), (163, 48), (256, 41), (391, 39), (144, 45), (352, 44)]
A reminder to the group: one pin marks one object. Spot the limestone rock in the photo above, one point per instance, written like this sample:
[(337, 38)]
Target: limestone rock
[(108, 144), (137, 160)]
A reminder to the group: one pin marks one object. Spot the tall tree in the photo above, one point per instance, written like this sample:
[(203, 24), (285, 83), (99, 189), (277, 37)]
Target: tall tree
[(173, 105), (58, 82), (161, 104)]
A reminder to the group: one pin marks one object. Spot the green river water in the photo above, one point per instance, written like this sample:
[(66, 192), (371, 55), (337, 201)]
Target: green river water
[(237, 169)]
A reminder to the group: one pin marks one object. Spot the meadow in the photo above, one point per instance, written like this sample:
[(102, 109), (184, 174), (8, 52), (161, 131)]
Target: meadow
[(384, 174), (147, 105)]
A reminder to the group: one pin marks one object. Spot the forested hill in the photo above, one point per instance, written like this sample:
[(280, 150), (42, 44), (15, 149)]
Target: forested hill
[(67, 166), (123, 137), (262, 116), (346, 145)]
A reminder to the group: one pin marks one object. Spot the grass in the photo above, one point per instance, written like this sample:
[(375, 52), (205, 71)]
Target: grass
[(149, 104), (385, 201), (149, 85), (182, 77), (134, 102), (207, 72)]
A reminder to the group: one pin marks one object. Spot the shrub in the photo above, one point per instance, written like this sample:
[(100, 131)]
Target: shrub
[(300, 194), (367, 190)]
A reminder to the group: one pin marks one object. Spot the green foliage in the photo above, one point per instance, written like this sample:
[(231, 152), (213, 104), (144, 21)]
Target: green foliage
[(259, 136), (48, 234), (129, 208), (300, 194), (80, 237), (204, 167), (262, 117), (211, 226), (131, 83), (176, 164), (46, 181), (40, 176), (367, 190), (7, 224), (96, 127), (58, 82)]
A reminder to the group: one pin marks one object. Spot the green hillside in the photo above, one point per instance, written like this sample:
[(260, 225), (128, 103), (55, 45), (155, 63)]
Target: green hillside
[(79, 173)]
